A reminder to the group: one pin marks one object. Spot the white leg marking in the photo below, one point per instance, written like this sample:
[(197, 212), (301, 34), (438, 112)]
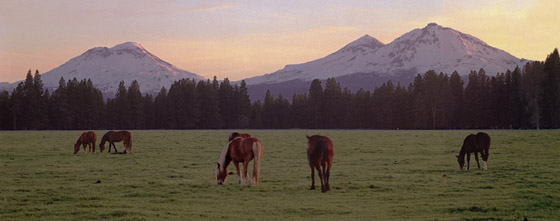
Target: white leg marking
[(485, 168), (241, 181)]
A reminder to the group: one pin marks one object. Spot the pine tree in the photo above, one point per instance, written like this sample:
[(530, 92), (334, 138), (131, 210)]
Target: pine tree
[(457, 101), (226, 104), (315, 103), (551, 90), (122, 107), (136, 106), (161, 112), (208, 99)]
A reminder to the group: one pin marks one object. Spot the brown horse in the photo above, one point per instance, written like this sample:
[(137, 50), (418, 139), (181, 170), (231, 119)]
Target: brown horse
[(240, 150), (235, 134), (113, 137), (86, 139), (320, 155), (474, 144)]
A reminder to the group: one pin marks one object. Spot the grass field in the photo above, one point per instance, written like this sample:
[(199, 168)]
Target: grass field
[(375, 175)]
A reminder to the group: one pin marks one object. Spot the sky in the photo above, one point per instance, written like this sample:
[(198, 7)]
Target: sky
[(246, 38)]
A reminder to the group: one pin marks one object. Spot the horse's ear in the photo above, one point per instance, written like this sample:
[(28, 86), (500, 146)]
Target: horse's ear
[(457, 156), (307, 136)]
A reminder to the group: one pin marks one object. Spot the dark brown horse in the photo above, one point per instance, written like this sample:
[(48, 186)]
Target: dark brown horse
[(475, 144), (235, 134), (86, 139), (113, 137), (240, 150), (320, 155)]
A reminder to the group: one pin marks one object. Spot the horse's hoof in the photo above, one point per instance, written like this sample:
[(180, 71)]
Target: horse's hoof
[(312, 188)]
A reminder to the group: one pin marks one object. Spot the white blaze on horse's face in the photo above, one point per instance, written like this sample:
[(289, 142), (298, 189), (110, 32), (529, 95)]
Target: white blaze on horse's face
[(220, 178)]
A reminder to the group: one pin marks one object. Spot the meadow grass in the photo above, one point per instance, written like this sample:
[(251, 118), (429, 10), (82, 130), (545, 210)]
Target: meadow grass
[(375, 175)]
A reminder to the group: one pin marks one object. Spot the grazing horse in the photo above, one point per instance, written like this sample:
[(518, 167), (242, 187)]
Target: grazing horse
[(320, 154), (235, 134), (113, 137), (474, 144), (87, 138), (240, 150)]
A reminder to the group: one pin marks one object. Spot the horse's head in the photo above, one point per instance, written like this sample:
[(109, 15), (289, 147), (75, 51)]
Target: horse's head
[(102, 147), (461, 161), (76, 148), (221, 174)]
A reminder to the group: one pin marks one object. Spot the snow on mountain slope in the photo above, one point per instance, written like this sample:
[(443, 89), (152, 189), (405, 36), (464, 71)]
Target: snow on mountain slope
[(432, 47), (106, 67)]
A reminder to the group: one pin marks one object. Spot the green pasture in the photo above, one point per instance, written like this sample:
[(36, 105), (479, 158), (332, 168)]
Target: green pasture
[(376, 175)]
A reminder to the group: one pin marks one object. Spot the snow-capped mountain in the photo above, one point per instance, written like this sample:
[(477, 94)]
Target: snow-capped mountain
[(106, 67), (431, 48)]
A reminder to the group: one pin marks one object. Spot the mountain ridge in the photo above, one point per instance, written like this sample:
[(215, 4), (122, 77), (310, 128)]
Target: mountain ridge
[(433, 47)]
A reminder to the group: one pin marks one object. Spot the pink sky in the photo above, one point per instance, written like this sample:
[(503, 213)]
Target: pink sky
[(240, 39)]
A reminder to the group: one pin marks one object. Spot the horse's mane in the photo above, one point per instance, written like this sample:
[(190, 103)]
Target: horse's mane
[(105, 137), (223, 156), (79, 141)]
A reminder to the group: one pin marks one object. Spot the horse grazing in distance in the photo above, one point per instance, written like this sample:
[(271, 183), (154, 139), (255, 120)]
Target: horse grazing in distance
[(113, 137), (235, 134), (320, 155), (240, 150), (475, 144), (86, 139)]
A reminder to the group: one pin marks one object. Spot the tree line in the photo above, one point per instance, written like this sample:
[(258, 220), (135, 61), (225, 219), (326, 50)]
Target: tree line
[(527, 97)]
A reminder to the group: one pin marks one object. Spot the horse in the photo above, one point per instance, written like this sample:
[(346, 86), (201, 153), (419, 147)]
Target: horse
[(235, 134), (240, 150), (113, 137), (320, 155), (86, 139), (474, 144)]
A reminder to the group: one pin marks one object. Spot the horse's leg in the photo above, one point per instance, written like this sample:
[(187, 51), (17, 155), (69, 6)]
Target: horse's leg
[(321, 177), (236, 163), (312, 178), (325, 178), (485, 158), (328, 175), (476, 158), (468, 160), (125, 147), (245, 168), (85, 148)]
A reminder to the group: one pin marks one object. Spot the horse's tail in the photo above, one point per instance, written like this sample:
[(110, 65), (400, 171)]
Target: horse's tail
[(129, 138), (257, 151)]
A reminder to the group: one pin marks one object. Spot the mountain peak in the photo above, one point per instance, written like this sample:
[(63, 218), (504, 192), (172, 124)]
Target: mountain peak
[(363, 43), (128, 45), (432, 24)]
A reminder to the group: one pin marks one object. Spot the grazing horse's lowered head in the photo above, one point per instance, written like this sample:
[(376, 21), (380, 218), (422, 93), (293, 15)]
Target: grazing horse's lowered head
[(76, 148)]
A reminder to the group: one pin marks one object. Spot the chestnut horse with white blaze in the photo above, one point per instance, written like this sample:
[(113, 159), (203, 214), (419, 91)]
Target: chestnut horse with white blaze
[(240, 150), (474, 144), (86, 139), (320, 155), (113, 137)]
